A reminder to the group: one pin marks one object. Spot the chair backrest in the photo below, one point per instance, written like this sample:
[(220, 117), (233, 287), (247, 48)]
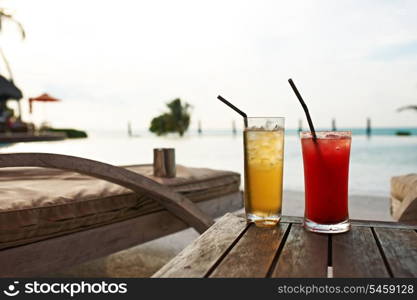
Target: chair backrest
[(172, 201)]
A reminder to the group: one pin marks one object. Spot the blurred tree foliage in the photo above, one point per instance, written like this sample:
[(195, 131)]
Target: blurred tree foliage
[(176, 120)]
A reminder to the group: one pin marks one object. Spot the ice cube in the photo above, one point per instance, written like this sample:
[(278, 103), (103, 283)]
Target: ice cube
[(332, 136)]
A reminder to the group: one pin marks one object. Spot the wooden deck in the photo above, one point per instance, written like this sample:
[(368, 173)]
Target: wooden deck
[(232, 248)]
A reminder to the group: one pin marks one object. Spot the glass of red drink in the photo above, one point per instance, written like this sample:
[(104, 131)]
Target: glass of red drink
[(326, 174)]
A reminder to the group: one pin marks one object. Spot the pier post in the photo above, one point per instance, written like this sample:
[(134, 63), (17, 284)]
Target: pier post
[(368, 127), (199, 130), (300, 125), (334, 124), (129, 129), (234, 131)]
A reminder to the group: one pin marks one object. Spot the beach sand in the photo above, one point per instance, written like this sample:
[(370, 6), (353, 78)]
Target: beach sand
[(145, 259)]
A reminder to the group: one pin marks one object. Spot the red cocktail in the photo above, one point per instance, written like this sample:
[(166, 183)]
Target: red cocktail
[(326, 173)]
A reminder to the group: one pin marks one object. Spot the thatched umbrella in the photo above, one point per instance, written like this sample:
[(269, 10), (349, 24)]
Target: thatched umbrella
[(8, 90)]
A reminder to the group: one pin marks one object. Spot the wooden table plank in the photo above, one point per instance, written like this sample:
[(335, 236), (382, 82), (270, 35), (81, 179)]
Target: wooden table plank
[(253, 255), (360, 223), (400, 250), (304, 254), (384, 224), (291, 219), (199, 257), (356, 254), (231, 248)]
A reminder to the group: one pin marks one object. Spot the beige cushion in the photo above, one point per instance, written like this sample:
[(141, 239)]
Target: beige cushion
[(402, 186), (404, 198), (38, 203)]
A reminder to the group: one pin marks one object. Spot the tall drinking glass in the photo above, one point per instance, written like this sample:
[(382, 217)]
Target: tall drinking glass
[(326, 173), (264, 155)]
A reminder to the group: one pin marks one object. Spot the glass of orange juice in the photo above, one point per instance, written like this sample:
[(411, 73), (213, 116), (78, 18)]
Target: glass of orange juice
[(264, 160)]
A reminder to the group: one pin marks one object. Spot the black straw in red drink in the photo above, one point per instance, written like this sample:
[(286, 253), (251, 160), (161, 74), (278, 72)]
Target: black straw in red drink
[(304, 105)]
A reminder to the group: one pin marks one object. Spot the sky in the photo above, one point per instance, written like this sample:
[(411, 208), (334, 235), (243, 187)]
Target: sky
[(117, 61)]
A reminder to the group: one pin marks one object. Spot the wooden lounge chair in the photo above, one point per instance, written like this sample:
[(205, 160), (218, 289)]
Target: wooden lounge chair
[(39, 256), (404, 198)]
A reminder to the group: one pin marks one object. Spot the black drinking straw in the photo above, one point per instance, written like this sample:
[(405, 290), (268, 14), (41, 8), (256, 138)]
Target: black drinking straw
[(304, 105), (244, 115)]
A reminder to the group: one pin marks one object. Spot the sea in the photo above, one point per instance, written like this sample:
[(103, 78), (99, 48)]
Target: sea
[(374, 159)]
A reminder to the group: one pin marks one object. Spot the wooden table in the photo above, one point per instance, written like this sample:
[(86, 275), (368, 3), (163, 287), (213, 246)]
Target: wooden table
[(231, 248)]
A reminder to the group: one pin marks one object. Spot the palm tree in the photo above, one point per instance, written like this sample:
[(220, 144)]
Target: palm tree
[(180, 115), (176, 120), (407, 107), (4, 16), (414, 107)]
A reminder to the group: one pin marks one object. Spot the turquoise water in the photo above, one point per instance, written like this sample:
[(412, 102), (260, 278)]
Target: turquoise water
[(355, 131), (374, 160)]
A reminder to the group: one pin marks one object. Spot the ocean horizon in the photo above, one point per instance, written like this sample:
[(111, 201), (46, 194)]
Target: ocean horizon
[(374, 160), (377, 131)]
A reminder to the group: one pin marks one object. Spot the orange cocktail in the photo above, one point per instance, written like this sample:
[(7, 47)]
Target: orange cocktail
[(264, 156)]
